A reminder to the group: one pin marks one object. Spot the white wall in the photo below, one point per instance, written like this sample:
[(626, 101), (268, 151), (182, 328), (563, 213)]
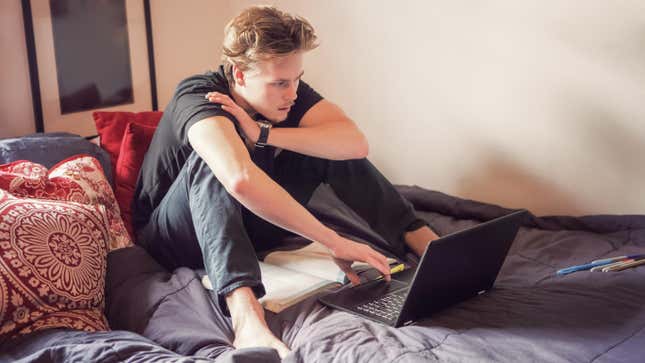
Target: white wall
[(16, 113), (534, 104), (523, 103), (187, 39)]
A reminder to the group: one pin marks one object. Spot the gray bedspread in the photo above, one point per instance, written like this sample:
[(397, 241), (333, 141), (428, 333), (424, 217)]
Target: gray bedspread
[(531, 315)]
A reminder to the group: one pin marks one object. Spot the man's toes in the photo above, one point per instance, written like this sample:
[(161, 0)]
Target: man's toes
[(283, 351)]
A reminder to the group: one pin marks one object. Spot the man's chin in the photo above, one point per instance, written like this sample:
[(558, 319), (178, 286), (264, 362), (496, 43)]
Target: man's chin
[(277, 120)]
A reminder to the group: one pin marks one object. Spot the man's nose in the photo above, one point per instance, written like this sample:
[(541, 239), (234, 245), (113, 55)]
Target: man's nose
[(292, 92)]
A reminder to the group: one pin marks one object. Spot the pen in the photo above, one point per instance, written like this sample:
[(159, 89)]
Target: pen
[(586, 266), (625, 265), (606, 268), (610, 263), (617, 258)]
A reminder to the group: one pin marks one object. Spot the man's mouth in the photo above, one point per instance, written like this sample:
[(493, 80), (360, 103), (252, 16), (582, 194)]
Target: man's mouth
[(286, 108)]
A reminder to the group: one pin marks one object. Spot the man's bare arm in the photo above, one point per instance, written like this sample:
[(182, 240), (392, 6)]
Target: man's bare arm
[(217, 142), (325, 132)]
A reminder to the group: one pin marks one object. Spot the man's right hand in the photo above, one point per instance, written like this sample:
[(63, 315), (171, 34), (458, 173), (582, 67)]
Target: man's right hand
[(346, 251)]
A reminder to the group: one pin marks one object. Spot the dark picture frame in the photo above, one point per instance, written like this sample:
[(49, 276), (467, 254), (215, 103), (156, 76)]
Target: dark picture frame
[(71, 73)]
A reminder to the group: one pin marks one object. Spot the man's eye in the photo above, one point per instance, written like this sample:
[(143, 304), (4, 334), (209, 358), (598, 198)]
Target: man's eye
[(282, 84)]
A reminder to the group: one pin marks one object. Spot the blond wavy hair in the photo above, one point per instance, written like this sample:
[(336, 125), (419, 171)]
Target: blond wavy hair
[(263, 32)]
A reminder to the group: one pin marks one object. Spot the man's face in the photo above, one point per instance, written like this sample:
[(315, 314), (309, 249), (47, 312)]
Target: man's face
[(270, 86)]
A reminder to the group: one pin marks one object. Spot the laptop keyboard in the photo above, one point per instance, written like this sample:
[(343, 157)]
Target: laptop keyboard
[(386, 307)]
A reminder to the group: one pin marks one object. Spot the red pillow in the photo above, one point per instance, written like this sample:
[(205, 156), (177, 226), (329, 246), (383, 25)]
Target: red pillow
[(136, 140), (53, 258), (111, 126)]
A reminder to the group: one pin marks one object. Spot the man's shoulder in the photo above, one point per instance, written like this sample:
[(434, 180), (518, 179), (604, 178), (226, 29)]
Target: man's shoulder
[(203, 82)]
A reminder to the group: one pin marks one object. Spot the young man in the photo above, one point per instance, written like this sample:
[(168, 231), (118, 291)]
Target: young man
[(216, 185)]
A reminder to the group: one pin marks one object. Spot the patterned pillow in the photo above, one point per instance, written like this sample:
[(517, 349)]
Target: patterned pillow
[(49, 148), (52, 265), (78, 179)]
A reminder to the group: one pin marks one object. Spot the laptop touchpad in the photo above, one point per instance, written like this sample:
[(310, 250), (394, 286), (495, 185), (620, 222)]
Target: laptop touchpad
[(405, 275), (372, 289)]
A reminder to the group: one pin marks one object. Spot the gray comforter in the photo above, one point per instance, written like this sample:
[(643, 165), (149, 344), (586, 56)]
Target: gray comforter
[(530, 315)]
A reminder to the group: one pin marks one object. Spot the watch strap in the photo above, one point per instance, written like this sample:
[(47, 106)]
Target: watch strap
[(264, 133)]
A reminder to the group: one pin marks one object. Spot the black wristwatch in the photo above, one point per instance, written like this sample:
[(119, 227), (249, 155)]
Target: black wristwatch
[(265, 126)]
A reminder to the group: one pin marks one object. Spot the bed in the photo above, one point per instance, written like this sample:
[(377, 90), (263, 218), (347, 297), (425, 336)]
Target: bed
[(531, 315)]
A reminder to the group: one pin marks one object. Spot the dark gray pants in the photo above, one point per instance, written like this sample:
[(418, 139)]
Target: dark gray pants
[(199, 224)]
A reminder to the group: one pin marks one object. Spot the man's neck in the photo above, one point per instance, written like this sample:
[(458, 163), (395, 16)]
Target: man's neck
[(242, 102)]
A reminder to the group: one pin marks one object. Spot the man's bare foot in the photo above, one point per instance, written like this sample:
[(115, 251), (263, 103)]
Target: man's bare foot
[(257, 335), (419, 239), (251, 330)]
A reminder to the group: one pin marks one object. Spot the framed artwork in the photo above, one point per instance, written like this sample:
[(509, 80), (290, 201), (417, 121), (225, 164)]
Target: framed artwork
[(88, 55)]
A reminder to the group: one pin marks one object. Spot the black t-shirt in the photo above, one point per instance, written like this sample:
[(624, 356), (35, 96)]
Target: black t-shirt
[(170, 148)]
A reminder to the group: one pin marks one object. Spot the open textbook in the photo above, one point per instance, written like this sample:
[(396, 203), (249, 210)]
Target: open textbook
[(292, 276)]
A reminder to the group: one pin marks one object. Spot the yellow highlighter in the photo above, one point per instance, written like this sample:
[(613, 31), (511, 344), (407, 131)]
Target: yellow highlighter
[(398, 268)]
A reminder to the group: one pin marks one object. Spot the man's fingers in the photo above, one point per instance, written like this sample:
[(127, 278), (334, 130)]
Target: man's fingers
[(346, 267), (385, 265), (353, 277), (382, 266), (214, 94), (222, 100), (219, 98)]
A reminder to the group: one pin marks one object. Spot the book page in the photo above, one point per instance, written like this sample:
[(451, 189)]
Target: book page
[(286, 287), (292, 276), (313, 259)]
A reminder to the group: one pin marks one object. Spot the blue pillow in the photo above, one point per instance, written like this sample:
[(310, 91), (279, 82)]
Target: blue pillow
[(49, 148)]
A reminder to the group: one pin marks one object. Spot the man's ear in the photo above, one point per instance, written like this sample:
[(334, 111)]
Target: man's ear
[(238, 76)]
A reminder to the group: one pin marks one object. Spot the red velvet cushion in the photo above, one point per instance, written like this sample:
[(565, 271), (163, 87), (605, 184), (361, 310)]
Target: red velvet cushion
[(52, 265), (136, 140), (77, 179), (111, 126)]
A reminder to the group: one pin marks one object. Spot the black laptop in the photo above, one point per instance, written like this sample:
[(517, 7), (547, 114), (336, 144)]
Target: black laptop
[(453, 268)]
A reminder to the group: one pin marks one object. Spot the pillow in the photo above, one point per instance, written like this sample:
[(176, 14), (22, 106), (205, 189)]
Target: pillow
[(77, 179), (135, 143), (111, 127), (49, 148), (52, 265)]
